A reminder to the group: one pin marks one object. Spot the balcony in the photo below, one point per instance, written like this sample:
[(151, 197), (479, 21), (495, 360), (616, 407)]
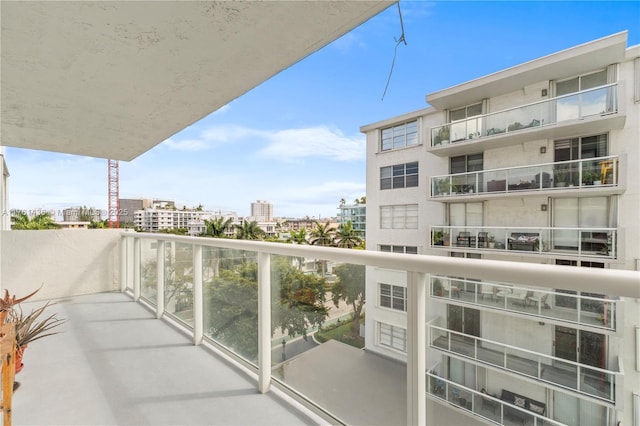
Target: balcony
[(588, 111), (597, 175), (117, 362), (595, 243), (537, 304), (588, 380)]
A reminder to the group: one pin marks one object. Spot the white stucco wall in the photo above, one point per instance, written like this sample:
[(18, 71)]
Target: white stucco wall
[(64, 262)]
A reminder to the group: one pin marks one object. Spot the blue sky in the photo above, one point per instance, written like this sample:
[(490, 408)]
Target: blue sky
[(295, 139)]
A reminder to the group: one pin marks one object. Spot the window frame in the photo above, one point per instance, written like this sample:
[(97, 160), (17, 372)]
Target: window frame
[(394, 333), (397, 217), (396, 295), (407, 132), (399, 176)]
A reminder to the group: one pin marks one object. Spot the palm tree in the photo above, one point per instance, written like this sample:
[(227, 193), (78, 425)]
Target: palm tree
[(20, 220), (249, 231), (217, 228), (322, 235), (299, 237), (346, 236)]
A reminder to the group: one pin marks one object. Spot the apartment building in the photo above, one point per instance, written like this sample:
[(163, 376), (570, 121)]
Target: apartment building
[(536, 164), (262, 211), (156, 219), (356, 214)]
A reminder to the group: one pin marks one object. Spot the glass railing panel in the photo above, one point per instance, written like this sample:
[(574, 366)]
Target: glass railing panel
[(529, 178), (230, 299), (178, 276), (522, 362), (596, 382), (149, 270), (313, 322)]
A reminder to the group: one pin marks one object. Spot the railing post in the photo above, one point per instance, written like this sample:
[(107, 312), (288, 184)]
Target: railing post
[(416, 349), (264, 322), (124, 262), (136, 269), (198, 299), (160, 276)]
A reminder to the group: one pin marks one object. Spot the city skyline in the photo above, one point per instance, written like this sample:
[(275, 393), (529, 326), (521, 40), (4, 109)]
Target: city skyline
[(295, 139)]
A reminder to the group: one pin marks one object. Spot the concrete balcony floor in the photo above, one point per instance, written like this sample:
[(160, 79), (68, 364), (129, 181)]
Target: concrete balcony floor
[(115, 364)]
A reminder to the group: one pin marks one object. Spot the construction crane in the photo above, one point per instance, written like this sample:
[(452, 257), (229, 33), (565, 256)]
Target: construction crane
[(114, 195)]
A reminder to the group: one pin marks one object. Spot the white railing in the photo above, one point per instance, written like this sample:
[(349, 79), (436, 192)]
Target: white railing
[(576, 174), (178, 264), (598, 101), (540, 304), (546, 368), (597, 243)]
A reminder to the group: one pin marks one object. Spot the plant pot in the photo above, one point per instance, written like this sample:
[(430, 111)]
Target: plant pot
[(492, 245), (19, 353)]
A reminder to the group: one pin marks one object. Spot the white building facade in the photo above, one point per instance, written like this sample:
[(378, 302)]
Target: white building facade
[(536, 164), (262, 211), (155, 219)]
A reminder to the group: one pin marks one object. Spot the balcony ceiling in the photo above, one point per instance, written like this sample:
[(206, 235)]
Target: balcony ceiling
[(567, 63), (114, 79)]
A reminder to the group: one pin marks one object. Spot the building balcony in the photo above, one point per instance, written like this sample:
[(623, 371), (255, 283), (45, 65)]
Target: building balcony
[(586, 112), (558, 307), (595, 243), (599, 176), (481, 404), (583, 379), (205, 337)]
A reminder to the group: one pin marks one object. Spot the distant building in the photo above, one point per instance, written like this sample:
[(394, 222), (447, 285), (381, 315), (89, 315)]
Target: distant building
[(81, 214), (356, 214), (74, 224), (128, 207), (262, 211), (155, 219)]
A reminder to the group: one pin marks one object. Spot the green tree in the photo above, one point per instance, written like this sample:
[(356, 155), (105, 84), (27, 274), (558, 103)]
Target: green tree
[(174, 231), (347, 237), (322, 235), (299, 237), (249, 231), (350, 287), (99, 224), (231, 303), (217, 228), (20, 220)]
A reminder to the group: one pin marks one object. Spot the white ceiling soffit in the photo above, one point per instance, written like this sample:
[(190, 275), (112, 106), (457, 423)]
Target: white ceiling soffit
[(566, 63), (114, 79)]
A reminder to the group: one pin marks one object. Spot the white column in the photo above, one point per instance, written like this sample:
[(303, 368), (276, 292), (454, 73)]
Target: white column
[(198, 304), (416, 349), (264, 322), (160, 276), (136, 269), (124, 262)]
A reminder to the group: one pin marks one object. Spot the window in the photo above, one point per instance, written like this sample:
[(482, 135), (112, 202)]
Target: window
[(399, 249), (399, 217), (463, 126), (399, 176), (401, 136), (392, 337), (393, 297), (583, 82)]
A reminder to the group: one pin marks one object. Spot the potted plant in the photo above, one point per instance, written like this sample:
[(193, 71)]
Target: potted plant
[(560, 176), (492, 241), (588, 177), (438, 238)]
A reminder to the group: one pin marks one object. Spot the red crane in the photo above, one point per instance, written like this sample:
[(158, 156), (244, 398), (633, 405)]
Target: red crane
[(114, 195)]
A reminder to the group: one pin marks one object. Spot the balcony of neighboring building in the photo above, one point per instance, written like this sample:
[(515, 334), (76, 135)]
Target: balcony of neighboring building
[(559, 373), (545, 305), (585, 112), (595, 243), (593, 176)]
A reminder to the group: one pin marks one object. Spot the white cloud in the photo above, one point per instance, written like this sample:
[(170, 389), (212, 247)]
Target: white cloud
[(292, 144)]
